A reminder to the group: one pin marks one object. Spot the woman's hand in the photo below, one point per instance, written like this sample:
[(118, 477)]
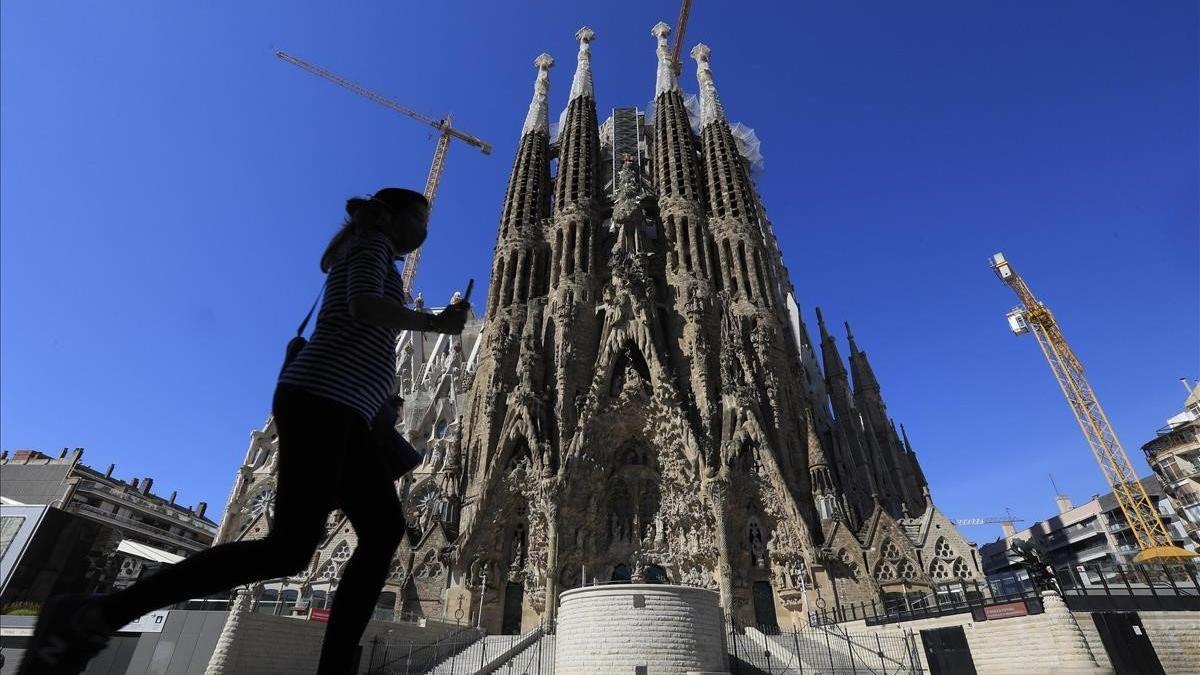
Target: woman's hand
[(452, 319)]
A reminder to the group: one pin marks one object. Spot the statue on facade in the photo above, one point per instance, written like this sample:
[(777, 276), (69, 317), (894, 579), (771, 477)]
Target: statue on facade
[(628, 217)]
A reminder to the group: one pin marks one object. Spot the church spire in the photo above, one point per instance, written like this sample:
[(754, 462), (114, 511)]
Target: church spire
[(691, 251), (538, 117), (830, 357), (577, 184), (515, 278), (860, 367), (918, 472), (582, 84), (710, 104), (665, 80)]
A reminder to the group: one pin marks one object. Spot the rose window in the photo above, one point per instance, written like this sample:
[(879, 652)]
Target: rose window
[(396, 571), (942, 549), (341, 553), (885, 572), (263, 502), (961, 570), (890, 551), (328, 571), (939, 571)]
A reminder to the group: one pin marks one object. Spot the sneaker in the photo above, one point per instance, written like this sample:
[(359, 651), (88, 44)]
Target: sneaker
[(60, 645)]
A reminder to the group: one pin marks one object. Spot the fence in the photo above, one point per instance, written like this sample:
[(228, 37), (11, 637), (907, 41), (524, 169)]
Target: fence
[(1090, 588), (465, 652), (912, 606), (1084, 588), (771, 651)]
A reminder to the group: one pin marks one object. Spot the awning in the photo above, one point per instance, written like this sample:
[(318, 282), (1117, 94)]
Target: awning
[(148, 552)]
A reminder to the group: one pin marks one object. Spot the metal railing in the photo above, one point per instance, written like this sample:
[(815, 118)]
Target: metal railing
[(465, 651), (1130, 587), (1084, 587), (914, 606), (769, 650)]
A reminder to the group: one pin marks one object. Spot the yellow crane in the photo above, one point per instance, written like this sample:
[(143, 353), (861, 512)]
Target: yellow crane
[(1153, 540), (685, 9), (445, 133)]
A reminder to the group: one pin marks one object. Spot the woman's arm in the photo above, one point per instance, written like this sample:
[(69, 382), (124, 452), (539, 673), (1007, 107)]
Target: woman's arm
[(370, 263), (377, 310)]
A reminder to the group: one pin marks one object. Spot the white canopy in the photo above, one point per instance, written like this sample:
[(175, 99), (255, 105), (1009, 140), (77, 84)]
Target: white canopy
[(148, 552)]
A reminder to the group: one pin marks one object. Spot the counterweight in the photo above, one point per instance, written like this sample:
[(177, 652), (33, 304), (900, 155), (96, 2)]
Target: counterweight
[(1153, 540)]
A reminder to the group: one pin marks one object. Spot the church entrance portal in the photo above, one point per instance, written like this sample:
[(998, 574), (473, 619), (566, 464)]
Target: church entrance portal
[(764, 605), (514, 597)]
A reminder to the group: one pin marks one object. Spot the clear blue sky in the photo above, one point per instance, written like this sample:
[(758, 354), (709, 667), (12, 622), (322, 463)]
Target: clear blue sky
[(168, 186)]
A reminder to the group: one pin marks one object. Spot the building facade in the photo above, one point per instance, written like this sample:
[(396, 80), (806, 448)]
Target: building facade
[(1094, 533), (128, 507), (641, 400), (1174, 456)]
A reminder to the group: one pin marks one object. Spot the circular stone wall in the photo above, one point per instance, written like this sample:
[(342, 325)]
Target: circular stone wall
[(639, 629)]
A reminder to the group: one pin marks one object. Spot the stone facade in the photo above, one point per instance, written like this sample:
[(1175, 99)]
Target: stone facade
[(641, 400)]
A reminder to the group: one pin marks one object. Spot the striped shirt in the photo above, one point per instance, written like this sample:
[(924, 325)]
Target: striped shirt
[(347, 361)]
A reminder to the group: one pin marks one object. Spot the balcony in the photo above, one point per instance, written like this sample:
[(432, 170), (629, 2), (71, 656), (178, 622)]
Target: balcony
[(125, 522), (1071, 535), (133, 499)]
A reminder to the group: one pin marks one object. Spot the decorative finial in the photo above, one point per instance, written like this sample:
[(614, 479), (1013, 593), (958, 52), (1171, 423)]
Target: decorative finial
[(665, 79), (582, 84), (710, 103), (538, 117), (850, 338), (820, 318)]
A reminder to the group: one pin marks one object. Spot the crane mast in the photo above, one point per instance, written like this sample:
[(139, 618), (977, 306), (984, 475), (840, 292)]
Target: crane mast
[(685, 10), (1153, 540), (446, 132)]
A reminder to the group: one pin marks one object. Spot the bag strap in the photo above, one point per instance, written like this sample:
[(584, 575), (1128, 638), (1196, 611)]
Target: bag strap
[(307, 317)]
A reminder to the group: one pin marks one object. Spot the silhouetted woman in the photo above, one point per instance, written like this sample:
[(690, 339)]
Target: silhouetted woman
[(324, 403)]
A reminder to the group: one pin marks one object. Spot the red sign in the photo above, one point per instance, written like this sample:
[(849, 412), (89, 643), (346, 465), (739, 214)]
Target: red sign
[(1006, 611), (319, 615)]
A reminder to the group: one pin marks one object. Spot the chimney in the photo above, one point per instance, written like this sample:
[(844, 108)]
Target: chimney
[(1007, 528), (146, 484), (201, 508), (111, 468), (133, 483), (172, 500), (1064, 503)]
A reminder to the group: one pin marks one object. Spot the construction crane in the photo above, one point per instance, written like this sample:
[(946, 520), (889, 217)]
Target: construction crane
[(685, 9), (986, 520), (1153, 540), (445, 133)]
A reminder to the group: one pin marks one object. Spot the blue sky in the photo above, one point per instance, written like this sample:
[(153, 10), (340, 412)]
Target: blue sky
[(167, 187)]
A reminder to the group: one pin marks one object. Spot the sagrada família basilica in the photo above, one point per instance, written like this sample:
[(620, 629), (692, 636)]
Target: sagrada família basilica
[(641, 399)]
